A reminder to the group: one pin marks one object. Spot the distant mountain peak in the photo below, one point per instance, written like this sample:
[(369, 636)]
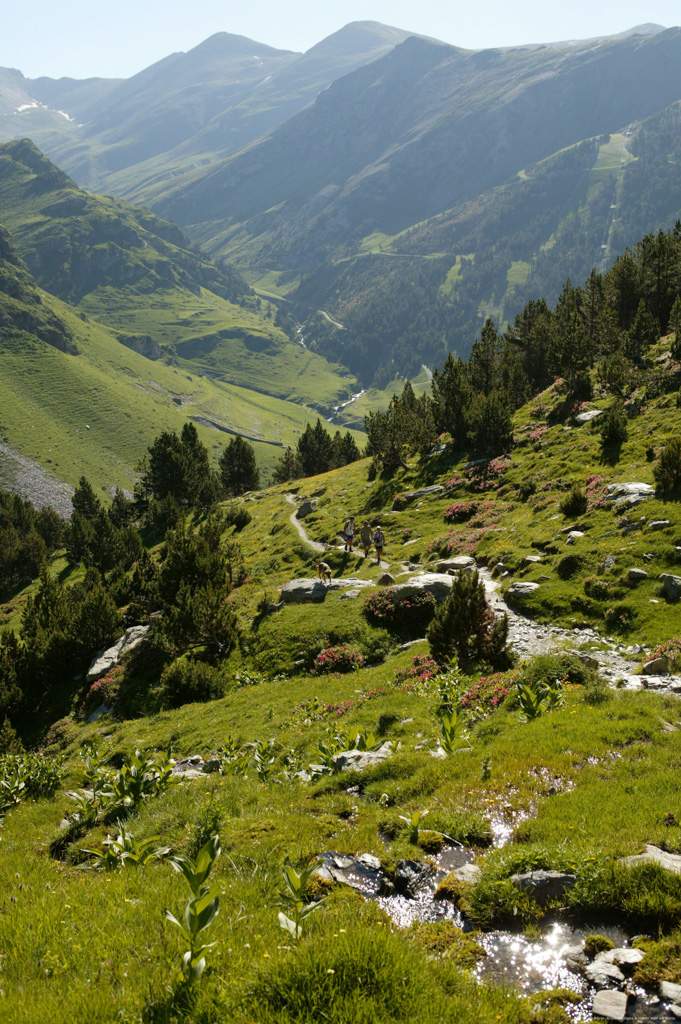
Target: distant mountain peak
[(228, 45)]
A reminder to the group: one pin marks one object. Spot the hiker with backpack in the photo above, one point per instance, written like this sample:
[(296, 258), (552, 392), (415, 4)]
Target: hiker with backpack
[(379, 540)]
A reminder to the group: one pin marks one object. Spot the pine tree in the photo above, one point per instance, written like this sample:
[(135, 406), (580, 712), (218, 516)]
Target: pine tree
[(644, 332), (288, 468), (675, 328), (238, 468), (85, 502), (465, 627)]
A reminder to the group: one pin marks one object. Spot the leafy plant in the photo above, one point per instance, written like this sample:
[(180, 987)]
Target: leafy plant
[(126, 851), (453, 734), (537, 698), (201, 910), (263, 762), (413, 822), (292, 897)]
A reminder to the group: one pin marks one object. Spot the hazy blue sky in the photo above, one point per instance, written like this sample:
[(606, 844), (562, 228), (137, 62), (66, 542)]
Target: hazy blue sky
[(81, 38)]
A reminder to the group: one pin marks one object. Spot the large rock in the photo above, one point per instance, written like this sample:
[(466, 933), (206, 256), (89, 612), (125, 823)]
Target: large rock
[(624, 956), (544, 885), (106, 660), (521, 588), (436, 583), (670, 990), (603, 975), (628, 493), (659, 524), (385, 580), (306, 591), (636, 575), (363, 872), (610, 1004), (409, 496), (306, 508), (656, 667), (654, 855), (358, 760), (586, 417), (413, 877), (671, 586), (458, 563)]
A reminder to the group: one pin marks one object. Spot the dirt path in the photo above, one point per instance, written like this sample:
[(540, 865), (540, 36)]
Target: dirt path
[(530, 638), (314, 544)]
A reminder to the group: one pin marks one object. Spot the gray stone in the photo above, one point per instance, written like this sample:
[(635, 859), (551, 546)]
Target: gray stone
[(602, 975), (108, 659), (675, 1011), (585, 658), (623, 493), (609, 562), (544, 885), (671, 586), (349, 595), (306, 508), (586, 417), (670, 990), (659, 524), (531, 559), (625, 956), (653, 854), (656, 667), (385, 580), (468, 873), (521, 588), (574, 535), (306, 591), (97, 714), (358, 760), (213, 764), (636, 575), (410, 643), (412, 877), (436, 583), (609, 1004), (409, 496), (575, 957), (458, 563)]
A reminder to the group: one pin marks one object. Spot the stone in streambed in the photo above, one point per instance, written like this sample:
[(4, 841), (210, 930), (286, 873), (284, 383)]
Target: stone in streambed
[(544, 885), (412, 877), (610, 1004), (670, 990), (602, 974)]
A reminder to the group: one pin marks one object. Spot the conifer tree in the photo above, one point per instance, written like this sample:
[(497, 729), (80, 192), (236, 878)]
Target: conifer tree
[(675, 328), (238, 468)]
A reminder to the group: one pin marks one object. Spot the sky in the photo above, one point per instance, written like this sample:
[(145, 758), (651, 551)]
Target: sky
[(83, 38)]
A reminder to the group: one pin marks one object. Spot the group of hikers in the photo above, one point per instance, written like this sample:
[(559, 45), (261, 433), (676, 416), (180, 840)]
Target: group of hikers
[(367, 535)]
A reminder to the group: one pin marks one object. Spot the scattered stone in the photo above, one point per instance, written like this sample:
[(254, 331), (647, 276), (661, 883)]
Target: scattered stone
[(97, 714), (468, 873), (628, 493), (585, 658), (436, 583), (531, 559), (671, 586), (659, 524), (656, 667), (653, 854), (307, 506), (272, 607), (108, 659), (586, 417), (349, 595), (363, 872), (304, 591), (609, 563), (575, 957), (412, 877), (213, 764), (544, 885), (460, 562), (603, 974), (670, 990), (358, 760), (189, 768), (409, 496), (675, 1011), (521, 588), (636, 575), (624, 956), (386, 580), (574, 535), (610, 1004)]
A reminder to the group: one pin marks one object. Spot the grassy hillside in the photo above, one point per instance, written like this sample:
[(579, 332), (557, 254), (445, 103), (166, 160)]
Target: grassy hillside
[(572, 790)]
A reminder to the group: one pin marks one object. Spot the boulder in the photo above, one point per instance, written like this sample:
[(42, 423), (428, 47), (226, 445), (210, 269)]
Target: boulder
[(306, 591), (358, 760), (458, 563), (544, 885), (574, 535), (108, 659), (306, 507), (521, 588), (385, 580), (468, 873), (413, 877), (653, 854), (671, 586), (349, 595), (610, 1004), (436, 583), (531, 559), (625, 956), (585, 658), (656, 667), (409, 496), (636, 575), (659, 524), (628, 493), (586, 417), (670, 990), (603, 975), (363, 872)]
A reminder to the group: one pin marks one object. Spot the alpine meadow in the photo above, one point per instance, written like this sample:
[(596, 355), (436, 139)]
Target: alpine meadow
[(340, 535)]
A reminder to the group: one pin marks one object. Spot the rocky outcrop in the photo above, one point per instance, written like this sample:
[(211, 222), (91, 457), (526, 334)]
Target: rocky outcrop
[(671, 586), (628, 493), (544, 885), (436, 583), (108, 659), (306, 508), (311, 591), (654, 855), (520, 589), (406, 498), (143, 344), (358, 760)]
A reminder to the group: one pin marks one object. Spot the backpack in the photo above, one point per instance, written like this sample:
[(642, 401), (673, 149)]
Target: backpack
[(379, 537)]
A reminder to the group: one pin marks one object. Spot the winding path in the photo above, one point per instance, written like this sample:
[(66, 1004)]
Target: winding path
[(314, 544)]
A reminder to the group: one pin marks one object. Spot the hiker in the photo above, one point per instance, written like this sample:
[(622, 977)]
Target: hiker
[(349, 533), (324, 571), (379, 540), (366, 538)]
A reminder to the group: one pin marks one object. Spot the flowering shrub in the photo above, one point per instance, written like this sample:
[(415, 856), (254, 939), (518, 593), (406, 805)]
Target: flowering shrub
[(103, 691), (671, 650), (461, 511), (595, 492), (383, 608), (421, 670), (337, 659), (487, 694), (405, 535), (620, 618), (487, 476), (596, 588), (454, 482), (537, 434), (399, 503)]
